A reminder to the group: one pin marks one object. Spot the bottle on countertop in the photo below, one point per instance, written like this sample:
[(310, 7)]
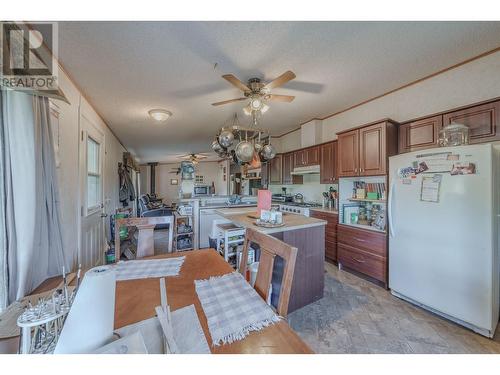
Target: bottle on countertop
[(212, 189)]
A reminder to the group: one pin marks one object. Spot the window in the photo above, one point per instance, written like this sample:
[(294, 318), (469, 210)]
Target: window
[(93, 174)]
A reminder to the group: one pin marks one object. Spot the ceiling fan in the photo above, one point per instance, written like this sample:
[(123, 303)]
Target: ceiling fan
[(194, 158), (258, 92)]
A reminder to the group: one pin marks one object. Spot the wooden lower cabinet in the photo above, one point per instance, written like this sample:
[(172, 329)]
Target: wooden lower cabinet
[(330, 232), (362, 261), (363, 250)]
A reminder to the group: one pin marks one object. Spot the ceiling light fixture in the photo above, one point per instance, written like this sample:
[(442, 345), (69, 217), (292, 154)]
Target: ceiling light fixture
[(256, 104), (160, 115)]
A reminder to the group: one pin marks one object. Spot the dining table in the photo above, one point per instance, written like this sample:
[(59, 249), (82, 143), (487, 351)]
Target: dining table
[(136, 301)]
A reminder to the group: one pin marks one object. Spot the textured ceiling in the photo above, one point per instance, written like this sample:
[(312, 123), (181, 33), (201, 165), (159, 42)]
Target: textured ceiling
[(127, 68)]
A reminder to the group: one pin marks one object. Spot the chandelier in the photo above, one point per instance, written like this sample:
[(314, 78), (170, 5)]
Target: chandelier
[(244, 145)]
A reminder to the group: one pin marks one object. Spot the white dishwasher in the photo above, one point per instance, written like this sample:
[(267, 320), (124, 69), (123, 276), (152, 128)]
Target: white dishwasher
[(207, 217)]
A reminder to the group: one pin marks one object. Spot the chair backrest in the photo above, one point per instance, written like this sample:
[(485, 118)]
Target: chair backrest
[(145, 226), (143, 203), (158, 212), (270, 247)]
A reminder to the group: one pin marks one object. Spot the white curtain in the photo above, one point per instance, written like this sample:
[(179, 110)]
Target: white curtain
[(33, 249)]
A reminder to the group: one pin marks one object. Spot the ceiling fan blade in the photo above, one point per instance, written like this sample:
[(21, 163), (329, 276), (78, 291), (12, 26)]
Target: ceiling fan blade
[(280, 98), (236, 82), (281, 80), (228, 101)]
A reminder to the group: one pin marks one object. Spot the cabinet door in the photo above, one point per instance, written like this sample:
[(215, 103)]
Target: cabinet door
[(298, 158), (312, 156), (275, 170), (287, 168), (288, 165), (348, 153), (372, 150), (328, 163), (420, 134), (264, 175), (482, 121)]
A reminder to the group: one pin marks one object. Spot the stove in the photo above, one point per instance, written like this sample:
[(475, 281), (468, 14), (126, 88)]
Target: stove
[(298, 208)]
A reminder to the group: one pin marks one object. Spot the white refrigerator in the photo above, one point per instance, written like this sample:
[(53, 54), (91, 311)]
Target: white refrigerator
[(443, 233)]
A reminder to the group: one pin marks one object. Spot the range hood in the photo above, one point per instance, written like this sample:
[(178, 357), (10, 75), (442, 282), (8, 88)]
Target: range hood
[(300, 171), (310, 135)]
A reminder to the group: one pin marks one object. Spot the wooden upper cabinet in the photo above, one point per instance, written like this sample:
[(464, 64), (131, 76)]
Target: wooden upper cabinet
[(364, 151), (275, 170), (482, 121), (328, 163), (372, 150), (420, 134), (299, 158), (306, 157), (288, 165), (312, 156), (348, 154), (264, 175)]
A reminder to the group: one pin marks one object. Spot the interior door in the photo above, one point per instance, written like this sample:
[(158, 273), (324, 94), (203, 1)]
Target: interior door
[(92, 239), (372, 150)]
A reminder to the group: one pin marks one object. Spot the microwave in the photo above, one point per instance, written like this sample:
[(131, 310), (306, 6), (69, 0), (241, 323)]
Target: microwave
[(200, 190)]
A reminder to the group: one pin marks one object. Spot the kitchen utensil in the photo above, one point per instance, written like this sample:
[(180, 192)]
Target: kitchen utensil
[(226, 138), (298, 198), (268, 152), (244, 151)]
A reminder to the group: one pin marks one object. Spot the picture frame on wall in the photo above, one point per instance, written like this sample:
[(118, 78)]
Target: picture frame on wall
[(174, 181)]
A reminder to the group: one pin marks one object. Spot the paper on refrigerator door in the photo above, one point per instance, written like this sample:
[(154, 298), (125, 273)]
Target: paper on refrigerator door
[(430, 188)]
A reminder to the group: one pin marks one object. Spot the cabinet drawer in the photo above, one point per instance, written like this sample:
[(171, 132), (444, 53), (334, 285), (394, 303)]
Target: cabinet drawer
[(361, 261), (331, 250), (369, 241)]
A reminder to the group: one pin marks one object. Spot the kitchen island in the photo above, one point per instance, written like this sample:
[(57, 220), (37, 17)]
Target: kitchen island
[(308, 236)]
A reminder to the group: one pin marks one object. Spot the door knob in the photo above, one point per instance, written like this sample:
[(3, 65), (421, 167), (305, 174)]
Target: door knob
[(104, 215)]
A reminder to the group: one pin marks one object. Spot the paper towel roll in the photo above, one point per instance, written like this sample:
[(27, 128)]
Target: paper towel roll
[(90, 321)]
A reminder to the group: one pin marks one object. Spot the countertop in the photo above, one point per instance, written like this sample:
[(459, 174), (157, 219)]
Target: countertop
[(228, 206), (292, 221), (325, 210)]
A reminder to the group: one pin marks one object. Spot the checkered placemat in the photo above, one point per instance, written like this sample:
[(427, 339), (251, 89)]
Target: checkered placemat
[(143, 269), (232, 308)]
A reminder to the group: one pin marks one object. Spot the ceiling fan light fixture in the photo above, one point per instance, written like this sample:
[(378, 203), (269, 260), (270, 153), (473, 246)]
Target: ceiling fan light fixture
[(264, 108), (256, 104), (247, 110), (160, 115)]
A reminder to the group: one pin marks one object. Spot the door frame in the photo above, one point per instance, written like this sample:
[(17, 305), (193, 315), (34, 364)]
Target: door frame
[(82, 210)]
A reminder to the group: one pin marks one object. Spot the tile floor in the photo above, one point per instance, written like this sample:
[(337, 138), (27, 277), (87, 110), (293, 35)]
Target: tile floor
[(356, 316)]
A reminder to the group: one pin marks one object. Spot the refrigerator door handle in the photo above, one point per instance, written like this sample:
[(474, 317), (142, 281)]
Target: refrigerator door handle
[(389, 207)]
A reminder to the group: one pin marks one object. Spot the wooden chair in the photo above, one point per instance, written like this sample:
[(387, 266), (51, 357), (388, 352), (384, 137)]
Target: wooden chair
[(145, 226), (269, 248)]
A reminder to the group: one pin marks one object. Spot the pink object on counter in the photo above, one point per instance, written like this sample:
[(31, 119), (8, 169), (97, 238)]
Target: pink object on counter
[(264, 198)]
